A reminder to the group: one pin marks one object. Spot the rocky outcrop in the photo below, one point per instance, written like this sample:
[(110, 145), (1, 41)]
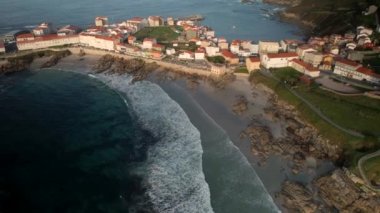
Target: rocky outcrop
[(55, 58), (296, 198), (283, 2), (241, 105), (338, 191)]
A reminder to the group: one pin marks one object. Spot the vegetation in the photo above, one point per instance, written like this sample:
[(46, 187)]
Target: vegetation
[(191, 46), (372, 169), (356, 113), (241, 70), (163, 34), (216, 59), (373, 63)]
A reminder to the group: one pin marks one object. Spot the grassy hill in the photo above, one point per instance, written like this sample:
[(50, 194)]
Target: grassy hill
[(331, 16), (162, 34)]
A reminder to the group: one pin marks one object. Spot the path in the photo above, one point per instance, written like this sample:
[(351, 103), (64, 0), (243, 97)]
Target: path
[(362, 173)]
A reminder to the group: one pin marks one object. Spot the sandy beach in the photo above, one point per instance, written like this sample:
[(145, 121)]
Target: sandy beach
[(217, 104)]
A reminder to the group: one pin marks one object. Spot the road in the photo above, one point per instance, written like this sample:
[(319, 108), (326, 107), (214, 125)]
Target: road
[(361, 170)]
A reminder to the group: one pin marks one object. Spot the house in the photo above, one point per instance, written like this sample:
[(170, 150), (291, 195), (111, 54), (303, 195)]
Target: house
[(351, 69), (126, 48), (170, 51), (212, 51), (155, 54), (158, 47), (235, 46), (101, 21), (44, 28), (2, 47), (210, 33), (186, 55), (246, 44), (277, 60), (335, 39), (301, 50), (148, 43), (230, 57), (268, 47), (27, 42), (254, 48), (290, 45), (97, 41), (68, 30), (131, 39), (217, 69), (304, 68), (253, 63), (25, 37), (199, 54), (313, 58), (349, 37), (364, 30), (170, 21), (155, 21), (317, 41), (137, 22)]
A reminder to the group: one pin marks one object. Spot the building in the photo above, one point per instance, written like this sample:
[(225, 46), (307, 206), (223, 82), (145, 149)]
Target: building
[(351, 69), (268, 47), (11, 36), (25, 37), (313, 58), (155, 21), (253, 63), (186, 55), (235, 46), (148, 43), (158, 47), (127, 48), (301, 50), (277, 60), (27, 42), (212, 51), (199, 54), (131, 39), (101, 21), (44, 28), (290, 45), (170, 51), (304, 68), (97, 41), (68, 30), (2, 47), (230, 57), (217, 69), (137, 23), (170, 21)]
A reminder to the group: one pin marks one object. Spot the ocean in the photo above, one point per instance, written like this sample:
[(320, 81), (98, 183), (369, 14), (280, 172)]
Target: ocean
[(77, 143)]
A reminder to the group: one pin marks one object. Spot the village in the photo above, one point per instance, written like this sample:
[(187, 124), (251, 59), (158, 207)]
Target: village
[(185, 42)]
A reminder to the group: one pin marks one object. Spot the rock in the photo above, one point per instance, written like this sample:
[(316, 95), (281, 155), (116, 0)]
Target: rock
[(240, 105), (296, 198)]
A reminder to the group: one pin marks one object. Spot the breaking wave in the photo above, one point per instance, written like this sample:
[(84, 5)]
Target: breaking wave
[(175, 178)]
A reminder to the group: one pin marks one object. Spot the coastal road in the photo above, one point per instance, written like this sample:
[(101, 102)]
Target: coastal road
[(361, 170), (315, 109)]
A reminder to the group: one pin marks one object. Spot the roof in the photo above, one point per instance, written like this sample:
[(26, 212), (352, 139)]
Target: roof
[(367, 71), (135, 19), (1, 44), (282, 55), (254, 59), (347, 62), (149, 39), (228, 54), (108, 38), (307, 66), (47, 38), (26, 35)]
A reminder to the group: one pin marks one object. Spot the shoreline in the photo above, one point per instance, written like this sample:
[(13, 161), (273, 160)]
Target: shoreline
[(216, 102)]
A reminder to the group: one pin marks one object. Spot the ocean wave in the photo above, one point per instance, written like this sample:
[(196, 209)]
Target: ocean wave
[(175, 178)]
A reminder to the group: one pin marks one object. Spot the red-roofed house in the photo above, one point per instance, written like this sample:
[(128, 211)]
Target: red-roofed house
[(158, 47), (25, 37), (235, 46), (68, 30), (44, 28), (304, 68), (277, 60), (27, 43), (155, 21), (230, 57), (131, 39), (253, 63), (200, 54), (351, 69), (148, 43), (2, 47)]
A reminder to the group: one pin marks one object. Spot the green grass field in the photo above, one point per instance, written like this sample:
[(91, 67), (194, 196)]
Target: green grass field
[(357, 113), (162, 34)]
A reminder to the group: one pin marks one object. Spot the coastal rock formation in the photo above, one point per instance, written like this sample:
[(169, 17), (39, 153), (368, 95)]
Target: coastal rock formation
[(7, 67), (283, 2), (55, 58), (338, 191), (296, 198), (240, 105)]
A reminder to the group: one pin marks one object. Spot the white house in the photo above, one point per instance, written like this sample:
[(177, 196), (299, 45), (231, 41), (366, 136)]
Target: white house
[(68, 30), (46, 41), (304, 68), (44, 28), (170, 51), (218, 69), (351, 69), (301, 50), (212, 51), (97, 41), (277, 60), (235, 46), (313, 58), (199, 54), (268, 47), (148, 43), (186, 55), (101, 21)]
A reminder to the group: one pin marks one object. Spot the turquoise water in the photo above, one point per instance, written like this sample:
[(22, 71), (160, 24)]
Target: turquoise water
[(230, 18), (68, 144)]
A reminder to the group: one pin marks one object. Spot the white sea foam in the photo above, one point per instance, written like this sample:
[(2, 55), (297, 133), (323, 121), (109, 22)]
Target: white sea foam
[(175, 178)]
